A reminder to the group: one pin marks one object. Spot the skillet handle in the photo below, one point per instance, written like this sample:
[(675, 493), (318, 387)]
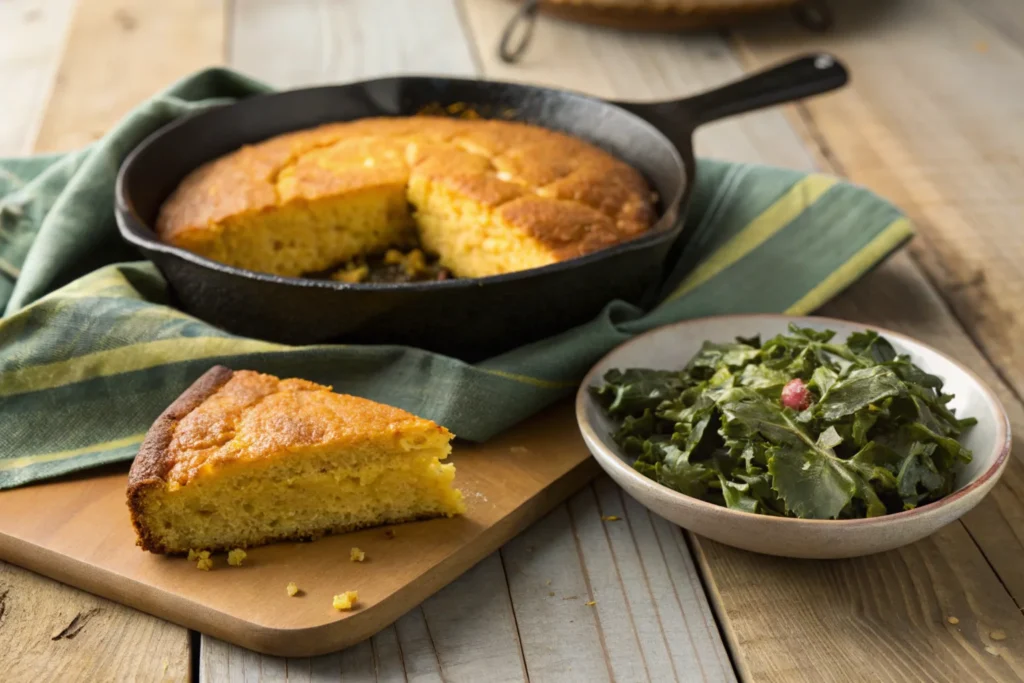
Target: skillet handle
[(801, 77)]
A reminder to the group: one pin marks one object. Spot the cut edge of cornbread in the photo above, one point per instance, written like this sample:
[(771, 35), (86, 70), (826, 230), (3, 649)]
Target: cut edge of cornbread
[(299, 495), (332, 230)]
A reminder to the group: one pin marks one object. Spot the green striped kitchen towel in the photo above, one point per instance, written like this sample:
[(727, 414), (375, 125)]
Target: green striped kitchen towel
[(91, 351)]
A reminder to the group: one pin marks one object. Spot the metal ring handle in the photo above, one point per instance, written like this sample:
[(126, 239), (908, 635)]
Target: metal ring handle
[(511, 49)]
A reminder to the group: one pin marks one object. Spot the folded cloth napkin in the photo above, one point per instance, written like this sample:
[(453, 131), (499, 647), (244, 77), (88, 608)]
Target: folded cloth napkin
[(91, 351)]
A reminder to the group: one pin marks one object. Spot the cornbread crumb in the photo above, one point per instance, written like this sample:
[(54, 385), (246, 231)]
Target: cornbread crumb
[(292, 589), (611, 518), (997, 635), (548, 582), (235, 557), (551, 594), (591, 603), (953, 620), (193, 555), (356, 555), (345, 601), (991, 650), (203, 560), (352, 274)]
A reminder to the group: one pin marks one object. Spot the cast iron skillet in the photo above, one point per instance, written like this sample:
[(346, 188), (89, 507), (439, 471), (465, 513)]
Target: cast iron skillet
[(469, 318)]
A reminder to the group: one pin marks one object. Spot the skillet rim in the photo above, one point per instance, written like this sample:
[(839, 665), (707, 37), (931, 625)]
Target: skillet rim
[(669, 224)]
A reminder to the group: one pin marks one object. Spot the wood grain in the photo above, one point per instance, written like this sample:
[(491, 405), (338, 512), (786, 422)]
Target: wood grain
[(779, 622), (307, 42), (30, 49), (475, 638), (463, 634), (932, 120), (118, 53), (50, 632)]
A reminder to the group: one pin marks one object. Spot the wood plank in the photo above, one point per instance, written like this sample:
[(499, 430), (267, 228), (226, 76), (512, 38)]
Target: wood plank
[(307, 42), (54, 633), (62, 633), (777, 620), (562, 636), (644, 623), (473, 627), (470, 623), (31, 37), (464, 634), (118, 53), (636, 66), (932, 120)]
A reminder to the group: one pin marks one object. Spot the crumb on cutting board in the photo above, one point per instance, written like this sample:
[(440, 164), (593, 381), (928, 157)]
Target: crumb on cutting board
[(610, 518), (236, 556), (201, 558), (953, 620), (292, 589), (590, 603), (356, 555), (345, 601)]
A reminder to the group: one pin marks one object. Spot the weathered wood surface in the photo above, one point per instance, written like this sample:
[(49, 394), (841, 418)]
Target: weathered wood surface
[(49, 631), (31, 35), (118, 53), (791, 623), (509, 607), (933, 120), (880, 617)]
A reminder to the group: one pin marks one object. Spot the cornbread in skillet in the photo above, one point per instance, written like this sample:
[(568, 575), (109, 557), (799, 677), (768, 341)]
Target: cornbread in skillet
[(487, 197), (242, 458)]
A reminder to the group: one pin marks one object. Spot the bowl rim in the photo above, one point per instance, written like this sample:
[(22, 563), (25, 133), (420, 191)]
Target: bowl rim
[(668, 225), (611, 459)]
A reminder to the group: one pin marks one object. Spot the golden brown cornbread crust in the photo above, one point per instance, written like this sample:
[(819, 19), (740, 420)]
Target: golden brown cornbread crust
[(227, 415), (151, 465), (571, 196)]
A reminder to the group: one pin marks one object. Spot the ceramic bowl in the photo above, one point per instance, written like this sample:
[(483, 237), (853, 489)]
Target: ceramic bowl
[(672, 346)]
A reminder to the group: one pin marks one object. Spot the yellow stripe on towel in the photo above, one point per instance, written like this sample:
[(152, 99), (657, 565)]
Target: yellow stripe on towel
[(532, 381), (873, 252), (16, 463), (773, 219), (128, 359)]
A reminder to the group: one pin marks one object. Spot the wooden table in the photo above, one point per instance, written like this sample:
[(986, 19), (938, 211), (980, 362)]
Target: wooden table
[(934, 120)]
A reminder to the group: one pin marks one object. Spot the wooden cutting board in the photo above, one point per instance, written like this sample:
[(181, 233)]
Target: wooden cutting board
[(77, 531)]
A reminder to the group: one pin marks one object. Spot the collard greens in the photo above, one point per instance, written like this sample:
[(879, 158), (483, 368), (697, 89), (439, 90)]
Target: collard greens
[(876, 438)]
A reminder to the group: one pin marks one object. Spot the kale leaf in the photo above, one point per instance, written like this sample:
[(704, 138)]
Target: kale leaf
[(878, 436)]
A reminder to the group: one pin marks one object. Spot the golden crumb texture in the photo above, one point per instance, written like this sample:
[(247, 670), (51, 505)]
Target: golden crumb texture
[(487, 197), (243, 458), (345, 601)]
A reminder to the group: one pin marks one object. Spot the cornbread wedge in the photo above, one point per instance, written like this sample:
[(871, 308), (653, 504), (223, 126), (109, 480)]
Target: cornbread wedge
[(242, 458), (487, 197)]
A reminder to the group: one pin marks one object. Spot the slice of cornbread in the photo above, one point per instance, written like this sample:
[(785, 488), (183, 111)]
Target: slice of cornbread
[(487, 197), (242, 458)]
